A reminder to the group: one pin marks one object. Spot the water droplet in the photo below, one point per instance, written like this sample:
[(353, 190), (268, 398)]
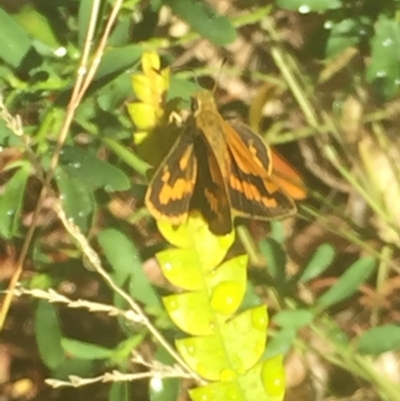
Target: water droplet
[(190, 349), (227, 375), (387, 42), (243, 261), (273, 376), (381, 74), (206, 393), (60, 52), (168, 266), (328, 24), (226, 297), (202, 370), (171, 304), (157, 384), (304, 9), (75, 165), (259, 318)]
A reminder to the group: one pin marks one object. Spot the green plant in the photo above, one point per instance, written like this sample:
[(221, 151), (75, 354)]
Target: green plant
[(75, 234)]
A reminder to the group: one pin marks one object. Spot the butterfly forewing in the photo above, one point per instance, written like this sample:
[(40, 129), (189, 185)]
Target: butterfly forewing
[(252, 190), (171, 188), (248, 141)]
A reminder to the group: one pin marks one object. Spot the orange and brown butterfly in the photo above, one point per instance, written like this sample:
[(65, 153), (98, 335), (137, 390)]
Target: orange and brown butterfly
[(224, 170)]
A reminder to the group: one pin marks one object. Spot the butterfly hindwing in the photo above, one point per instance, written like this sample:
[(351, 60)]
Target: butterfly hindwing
[(171, 187), (210, 195)]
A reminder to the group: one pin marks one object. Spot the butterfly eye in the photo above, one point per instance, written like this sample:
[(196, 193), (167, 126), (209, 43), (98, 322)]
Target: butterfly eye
[(194, 104)]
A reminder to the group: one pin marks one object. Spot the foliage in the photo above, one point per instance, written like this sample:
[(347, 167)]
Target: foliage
[(88, 108)]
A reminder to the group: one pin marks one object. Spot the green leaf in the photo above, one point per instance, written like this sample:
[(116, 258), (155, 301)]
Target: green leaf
[(77, 198), (204, 353), (48, 335), (203, 19), (92, 171), (119, 391), (11, 203), (5, 133), (293, 319), (125, 260), (381, 339), (344, 34), (307, 6), (117, 61), (14, 41), (348, 283), (37, 26), (83, 350), (181, 88), (76, 367), (384, 67), (164, 389), (277, 232), (280, 343), (84, 18), (121, 254), (265, 381), (319, 262), (276, 259)]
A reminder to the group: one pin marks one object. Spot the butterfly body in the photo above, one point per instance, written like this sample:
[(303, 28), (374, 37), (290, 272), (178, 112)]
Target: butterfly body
[(221, 168)]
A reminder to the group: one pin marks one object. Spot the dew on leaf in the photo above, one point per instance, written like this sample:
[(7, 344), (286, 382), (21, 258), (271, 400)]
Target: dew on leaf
[(206, 393), (259, 318), (60, 52), (190, 350), (387, 42), (227, 375), (202, 370), (304, 9), (156, 384), (225, 298), (171, 304), (168, 266), (273, 376)]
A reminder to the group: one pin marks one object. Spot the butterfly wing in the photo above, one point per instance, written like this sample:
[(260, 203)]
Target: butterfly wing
[(171, 188), (210, 195), (252, 190), (287, 177)]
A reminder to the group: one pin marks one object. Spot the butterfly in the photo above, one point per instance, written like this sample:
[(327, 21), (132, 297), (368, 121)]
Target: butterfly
[(222, 169)]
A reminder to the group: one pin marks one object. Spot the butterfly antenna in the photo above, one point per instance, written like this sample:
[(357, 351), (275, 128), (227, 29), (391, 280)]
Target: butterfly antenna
[(218, 75)]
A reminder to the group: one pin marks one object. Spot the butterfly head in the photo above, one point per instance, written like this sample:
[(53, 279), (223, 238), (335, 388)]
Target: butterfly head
[(203, 100)]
